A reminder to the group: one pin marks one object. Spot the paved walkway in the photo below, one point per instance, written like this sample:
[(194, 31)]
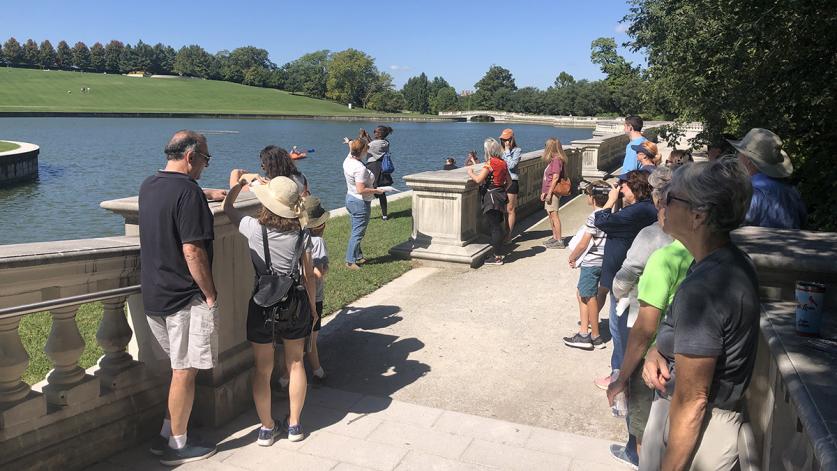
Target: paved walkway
[(448, 369)]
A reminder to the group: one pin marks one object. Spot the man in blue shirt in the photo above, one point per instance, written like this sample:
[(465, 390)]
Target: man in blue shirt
[(775, 203), (633, 128)]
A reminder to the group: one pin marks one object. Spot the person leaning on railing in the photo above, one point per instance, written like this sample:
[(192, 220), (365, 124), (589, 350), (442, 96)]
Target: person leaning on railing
[(705, 350), (494, 181)]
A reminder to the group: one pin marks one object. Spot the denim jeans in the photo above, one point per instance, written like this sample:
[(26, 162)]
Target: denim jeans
[(359, 211), (619, 333)]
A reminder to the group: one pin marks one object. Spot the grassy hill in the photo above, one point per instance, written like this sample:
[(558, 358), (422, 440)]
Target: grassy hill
[(39, 90)]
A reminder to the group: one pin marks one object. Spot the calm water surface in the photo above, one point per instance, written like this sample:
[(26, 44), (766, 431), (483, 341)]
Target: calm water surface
[(85, 161)]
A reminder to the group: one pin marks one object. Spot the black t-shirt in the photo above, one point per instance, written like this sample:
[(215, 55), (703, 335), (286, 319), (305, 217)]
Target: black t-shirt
[(715, 313), (172, 211)]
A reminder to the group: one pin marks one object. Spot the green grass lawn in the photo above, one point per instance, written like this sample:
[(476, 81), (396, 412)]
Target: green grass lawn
[(7, 146), (342, 285), (39, 90)]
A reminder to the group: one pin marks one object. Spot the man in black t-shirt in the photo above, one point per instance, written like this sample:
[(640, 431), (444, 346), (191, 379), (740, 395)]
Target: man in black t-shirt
[(176, 233)]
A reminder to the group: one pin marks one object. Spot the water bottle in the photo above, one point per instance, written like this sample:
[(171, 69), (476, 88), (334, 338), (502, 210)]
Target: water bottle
[(620, 405)]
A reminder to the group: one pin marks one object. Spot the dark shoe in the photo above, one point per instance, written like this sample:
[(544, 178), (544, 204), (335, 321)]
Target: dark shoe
[(187, 454), (361, 261), (295, 432), (619, 453), (267, 437), (598, 342), (158, 445), (493, 260), (579, 341)]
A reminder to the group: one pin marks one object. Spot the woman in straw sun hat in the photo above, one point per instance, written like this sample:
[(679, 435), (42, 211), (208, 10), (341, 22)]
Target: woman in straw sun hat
[(281, 220)]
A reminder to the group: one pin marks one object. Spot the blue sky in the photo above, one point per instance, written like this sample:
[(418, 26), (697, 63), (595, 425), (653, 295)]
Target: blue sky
[(457, 40)]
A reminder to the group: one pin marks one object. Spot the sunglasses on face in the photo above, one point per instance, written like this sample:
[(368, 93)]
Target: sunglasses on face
[(205, 156)]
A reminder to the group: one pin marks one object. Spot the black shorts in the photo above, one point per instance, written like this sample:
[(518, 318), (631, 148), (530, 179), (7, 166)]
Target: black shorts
[(258, 331), (514, 188), (319, 323)]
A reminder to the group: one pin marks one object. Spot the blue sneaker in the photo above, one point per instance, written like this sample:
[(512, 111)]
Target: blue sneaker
[(158, 445), (620, 454), (295, 432), (267, 437)]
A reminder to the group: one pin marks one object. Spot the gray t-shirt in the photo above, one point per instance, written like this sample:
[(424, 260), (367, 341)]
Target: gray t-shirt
[(282, 246), (319, 254), (715, 313), (377, 149), (646, 242)]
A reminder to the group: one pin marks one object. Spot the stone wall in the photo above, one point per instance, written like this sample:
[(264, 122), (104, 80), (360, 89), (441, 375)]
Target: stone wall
[(20, 164)]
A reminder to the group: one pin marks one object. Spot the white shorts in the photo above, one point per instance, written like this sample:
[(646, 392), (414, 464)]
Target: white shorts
[(189, 336)]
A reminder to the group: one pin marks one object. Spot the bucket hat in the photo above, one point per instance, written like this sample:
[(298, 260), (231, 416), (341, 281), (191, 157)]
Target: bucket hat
[(764, 149), (507, 134), (314, 211), (281, 197)]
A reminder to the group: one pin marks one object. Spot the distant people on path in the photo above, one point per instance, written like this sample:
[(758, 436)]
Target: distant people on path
[(776, 202), (511, 155), (621, 227), (705, 350), (378, 148), (278, 246), (472, 158), (555, 158), (450, 164), (678, 158), (178, 292), (275, 162), (494, 181), (587, 255), (633, 128), (648, 156), (360, 189)]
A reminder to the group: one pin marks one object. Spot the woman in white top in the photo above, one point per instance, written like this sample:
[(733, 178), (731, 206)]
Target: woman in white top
[(360, 189)]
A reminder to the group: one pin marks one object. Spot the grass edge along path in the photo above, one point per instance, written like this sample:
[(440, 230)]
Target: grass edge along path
[(7, 146), (343, 286)]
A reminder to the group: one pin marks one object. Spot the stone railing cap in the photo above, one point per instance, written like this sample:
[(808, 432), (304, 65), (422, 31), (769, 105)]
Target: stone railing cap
[(789, 248), (130, 206)]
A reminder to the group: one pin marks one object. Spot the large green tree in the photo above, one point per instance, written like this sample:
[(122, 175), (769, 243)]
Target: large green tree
[(308, 74), (113, 54), (97, 57), (350, 74), (626, 86), (389, 101), (81, 56), (739, 64), (163, 62), (30, 52), (63, 55), (46, 55), (12, 52), (193, 61), (495, 88), (416, 93), (444, 100)]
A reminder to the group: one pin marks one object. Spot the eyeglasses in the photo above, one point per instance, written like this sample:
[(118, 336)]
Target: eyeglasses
[(670, 196), (205, 156)]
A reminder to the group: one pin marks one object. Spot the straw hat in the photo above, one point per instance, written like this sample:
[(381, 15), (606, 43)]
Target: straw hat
[(764, 149), (317, 216), (281, 197)]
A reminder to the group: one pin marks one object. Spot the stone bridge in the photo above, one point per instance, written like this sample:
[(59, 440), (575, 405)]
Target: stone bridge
[(509, 117)]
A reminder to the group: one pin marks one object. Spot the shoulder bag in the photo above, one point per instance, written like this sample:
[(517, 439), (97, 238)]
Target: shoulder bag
[(564, 186)]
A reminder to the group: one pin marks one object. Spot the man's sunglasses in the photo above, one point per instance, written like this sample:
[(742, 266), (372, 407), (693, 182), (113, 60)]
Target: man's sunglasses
[(205, 156)]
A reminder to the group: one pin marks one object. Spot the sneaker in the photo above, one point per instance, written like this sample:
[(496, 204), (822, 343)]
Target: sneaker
[(579, 341), (361, 261), (295, 432), (267, 437), (352, 266), (604, 382), (384, 218), (158, 445), (187, 454), (598, 342), (496, 260), (619, 453), (554, 244)]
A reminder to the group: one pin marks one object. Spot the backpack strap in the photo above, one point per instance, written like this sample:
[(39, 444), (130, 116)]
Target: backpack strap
[(266, 250), (297, 252)]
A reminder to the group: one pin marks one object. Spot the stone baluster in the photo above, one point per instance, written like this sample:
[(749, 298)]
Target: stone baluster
[(117, 366), (67, 383), (18, 403), (13, 362)]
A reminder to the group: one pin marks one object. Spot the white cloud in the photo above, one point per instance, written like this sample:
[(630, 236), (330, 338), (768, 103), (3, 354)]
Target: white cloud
[(399, 68), (621, 28)]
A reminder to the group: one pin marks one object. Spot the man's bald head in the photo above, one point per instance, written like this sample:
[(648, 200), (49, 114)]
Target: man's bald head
[(183, 141)]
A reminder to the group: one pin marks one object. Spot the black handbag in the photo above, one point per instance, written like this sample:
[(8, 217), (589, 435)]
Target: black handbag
[(272, 288)]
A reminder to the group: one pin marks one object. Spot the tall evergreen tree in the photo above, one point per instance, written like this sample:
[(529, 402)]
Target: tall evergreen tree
[(12, 52), (113, 55), (64, 56), (81, 56), (417, 93), (97, 57), (46, 55), (30, 53)]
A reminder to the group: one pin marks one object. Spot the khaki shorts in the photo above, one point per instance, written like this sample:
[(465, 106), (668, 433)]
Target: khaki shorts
[(189, 336), (552, 207)]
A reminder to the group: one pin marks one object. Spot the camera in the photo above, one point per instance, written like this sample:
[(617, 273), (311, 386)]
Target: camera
[(594, 189)]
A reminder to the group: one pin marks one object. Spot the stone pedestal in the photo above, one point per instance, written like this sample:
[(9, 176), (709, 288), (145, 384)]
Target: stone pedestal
[(223, 392)]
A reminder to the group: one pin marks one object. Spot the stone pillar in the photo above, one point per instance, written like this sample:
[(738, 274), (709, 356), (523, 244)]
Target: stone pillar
[(117, 368), (17, 401), (223, 392), (67, 383)]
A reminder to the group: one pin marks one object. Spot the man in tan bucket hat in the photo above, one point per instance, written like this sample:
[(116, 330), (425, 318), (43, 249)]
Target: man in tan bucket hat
[(776, 203)]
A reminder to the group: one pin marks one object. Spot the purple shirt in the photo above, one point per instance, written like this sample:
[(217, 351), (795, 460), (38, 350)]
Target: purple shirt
[(556, 165)]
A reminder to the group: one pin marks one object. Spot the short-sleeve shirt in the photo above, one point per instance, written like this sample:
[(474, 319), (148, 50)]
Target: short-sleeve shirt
[(377, 149), (594, 255), (499, 172), (282, 246), (665, 270), (355, 172), (775, 203), (172, 211), (622, 228), (556, 165), (715, 313), (319, 254), (631, 162)]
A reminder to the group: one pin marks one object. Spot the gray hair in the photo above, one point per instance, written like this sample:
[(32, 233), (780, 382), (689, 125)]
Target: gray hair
[(492, 148), (721, 189), (182, 142), (659, 180)]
